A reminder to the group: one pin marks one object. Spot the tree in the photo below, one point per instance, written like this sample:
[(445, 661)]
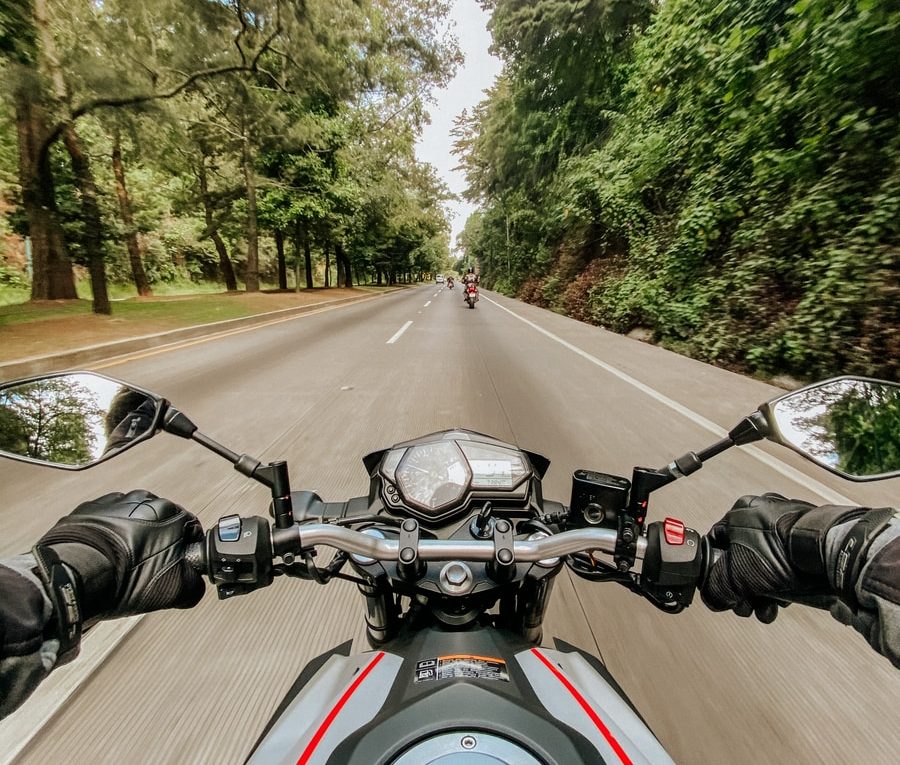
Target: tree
[(722, 172), (134, 248), (51, 420), (53, 278)]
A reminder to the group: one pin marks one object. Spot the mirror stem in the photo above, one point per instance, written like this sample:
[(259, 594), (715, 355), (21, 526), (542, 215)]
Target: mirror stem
[(274, 475)]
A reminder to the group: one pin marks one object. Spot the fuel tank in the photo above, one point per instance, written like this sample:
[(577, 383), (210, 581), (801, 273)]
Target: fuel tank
[(479, 697)]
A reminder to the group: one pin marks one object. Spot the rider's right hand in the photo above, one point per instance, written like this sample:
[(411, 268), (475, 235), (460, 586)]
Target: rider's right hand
[(773, 549), (123, 554)]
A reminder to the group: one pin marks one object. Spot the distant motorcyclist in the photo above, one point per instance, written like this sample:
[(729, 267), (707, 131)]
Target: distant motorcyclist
[(470, 277), (125, 554)]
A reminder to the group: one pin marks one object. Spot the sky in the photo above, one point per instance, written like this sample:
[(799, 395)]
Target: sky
[(465, 90)]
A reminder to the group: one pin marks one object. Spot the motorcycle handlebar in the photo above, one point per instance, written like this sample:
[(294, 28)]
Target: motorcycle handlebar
[(305, 536)]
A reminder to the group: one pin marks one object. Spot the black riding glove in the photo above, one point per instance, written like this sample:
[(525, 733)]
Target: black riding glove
[(125, 554), (773, 552)]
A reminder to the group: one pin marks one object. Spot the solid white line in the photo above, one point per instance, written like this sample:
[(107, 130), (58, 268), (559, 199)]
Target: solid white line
[(427, 304), (399, 332), (829, 495)]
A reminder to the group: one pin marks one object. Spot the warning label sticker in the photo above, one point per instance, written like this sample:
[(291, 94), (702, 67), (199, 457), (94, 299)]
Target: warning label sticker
[(461, 666)]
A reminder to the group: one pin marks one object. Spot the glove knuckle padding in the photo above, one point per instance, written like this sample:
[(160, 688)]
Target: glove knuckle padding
[(143, 537), (756, 565)]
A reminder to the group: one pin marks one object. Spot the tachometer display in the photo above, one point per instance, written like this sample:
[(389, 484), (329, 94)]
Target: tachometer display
[(433, 475)]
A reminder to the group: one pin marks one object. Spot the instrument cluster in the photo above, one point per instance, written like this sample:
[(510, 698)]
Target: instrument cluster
[(436, 477)]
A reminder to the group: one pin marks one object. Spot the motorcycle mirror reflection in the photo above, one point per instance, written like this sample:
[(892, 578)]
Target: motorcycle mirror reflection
[(74, 420), (848, 425)]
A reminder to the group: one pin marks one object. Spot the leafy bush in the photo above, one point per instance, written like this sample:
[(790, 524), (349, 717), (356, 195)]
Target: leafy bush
[(740, 194)]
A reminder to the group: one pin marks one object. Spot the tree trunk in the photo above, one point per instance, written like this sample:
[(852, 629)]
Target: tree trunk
[(251, 277), (90, 213), (295, 257), (81, 165), (225, 264), (377, 276), (282, 266), (342, 258), (326, 249), (52, 277), (131, 238), (307, 256)]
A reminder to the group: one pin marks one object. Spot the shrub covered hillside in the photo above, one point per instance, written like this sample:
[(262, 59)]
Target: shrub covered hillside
[(723, 172)]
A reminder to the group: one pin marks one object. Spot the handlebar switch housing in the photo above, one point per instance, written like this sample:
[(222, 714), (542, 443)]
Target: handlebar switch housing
[(239, 555), (673, 562)]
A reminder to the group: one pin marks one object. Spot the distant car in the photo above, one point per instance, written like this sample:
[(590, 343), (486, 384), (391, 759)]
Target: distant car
[(439, 279)]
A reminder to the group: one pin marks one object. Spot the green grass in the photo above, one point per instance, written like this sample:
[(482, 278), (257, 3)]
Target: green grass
[(200, 309), (203, 303), (12, 295), (161, 289)]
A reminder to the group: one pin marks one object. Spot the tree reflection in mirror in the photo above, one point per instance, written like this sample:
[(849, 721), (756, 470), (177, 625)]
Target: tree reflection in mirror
[(850, 425), (72, 420)]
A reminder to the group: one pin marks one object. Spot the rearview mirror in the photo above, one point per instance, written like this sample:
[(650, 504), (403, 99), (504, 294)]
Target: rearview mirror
[(848, 425), (74, 420)]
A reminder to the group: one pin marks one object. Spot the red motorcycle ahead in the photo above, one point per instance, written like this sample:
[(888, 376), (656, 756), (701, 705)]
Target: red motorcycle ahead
[(471, 294)]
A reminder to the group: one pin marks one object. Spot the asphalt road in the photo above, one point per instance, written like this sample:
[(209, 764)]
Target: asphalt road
[(323, 390)]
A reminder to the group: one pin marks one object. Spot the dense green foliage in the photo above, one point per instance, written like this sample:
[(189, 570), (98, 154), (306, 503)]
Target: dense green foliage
[(865, 424), (214, 132), (720, 171)]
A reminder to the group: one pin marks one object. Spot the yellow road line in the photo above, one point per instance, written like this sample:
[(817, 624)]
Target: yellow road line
[(178, 345)]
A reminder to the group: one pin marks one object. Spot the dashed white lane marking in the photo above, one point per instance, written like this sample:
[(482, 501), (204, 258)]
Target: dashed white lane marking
[(399, 332), (829, 495), (427, 304)]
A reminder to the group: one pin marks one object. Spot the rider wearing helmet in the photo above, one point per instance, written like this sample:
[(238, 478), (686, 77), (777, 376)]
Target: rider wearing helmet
[(470, 277)]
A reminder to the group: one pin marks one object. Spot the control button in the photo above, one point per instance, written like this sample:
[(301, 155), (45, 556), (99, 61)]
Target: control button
[(227, 573), (674, 531), (230, 528)]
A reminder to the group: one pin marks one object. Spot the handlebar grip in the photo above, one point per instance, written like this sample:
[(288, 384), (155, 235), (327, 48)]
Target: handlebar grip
[(712, 556), (195, 555)]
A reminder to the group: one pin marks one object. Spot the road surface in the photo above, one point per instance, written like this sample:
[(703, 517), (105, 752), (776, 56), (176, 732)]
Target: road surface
[(323, 390)]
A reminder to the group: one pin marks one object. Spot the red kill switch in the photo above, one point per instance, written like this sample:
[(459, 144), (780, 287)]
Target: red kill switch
[(674, 531)]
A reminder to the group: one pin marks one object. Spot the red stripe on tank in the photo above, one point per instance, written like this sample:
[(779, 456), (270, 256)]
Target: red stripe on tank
[(336, 710), (610, 739)]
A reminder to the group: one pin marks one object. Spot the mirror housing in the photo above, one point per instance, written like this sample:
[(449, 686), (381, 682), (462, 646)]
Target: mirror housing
[(848, 425), (75, 420)]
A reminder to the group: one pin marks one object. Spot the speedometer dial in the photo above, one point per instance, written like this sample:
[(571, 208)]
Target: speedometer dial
[(432, 476)]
